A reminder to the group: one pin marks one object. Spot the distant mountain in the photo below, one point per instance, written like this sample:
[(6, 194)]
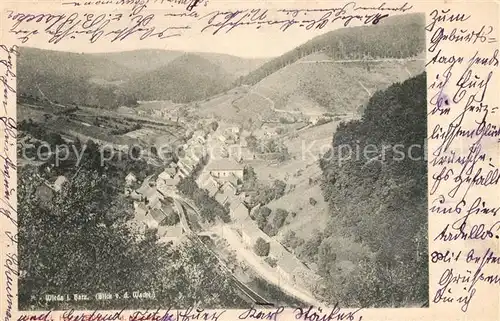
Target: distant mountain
[(186, 78), (112, 79), (68, 64), (394, 37), (71, 78), (151, 59), (233, 65), (336, 72), (141, 60)]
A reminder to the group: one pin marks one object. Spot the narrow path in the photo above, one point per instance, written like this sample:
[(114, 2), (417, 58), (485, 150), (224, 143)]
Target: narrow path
[(273, 108), (255, 297), (369, 93), (358, 60)]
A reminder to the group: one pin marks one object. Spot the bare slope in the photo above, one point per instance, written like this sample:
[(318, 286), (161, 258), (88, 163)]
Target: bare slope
[(317, 86)]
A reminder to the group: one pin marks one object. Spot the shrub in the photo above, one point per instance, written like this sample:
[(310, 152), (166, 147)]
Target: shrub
[(312, 201), (271, 261), (261, 247), (265, 211)]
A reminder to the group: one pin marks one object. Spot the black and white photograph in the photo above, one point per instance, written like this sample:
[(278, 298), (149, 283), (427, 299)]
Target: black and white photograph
[(171, 178)]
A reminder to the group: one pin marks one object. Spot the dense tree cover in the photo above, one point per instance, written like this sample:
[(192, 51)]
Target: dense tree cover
[(394, 37), (291, 240), (377, 200), (72, 90), (208, 206), (77, 243), (270, 224), (97, 81), (264, 193), (171, 219), (185, 79)]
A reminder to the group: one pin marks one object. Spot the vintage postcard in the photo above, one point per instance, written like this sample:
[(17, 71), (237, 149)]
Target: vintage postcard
[(186, 160)]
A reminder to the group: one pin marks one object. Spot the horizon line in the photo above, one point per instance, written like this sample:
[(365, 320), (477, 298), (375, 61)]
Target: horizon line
[(154, 49)]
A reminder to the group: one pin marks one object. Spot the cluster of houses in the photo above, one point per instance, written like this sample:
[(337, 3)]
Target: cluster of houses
[(152, 210), (194, 153), (222, 179), (231, 135), (289, 267)]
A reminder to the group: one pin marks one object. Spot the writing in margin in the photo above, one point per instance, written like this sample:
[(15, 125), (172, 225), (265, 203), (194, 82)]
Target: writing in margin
[(460, 161)]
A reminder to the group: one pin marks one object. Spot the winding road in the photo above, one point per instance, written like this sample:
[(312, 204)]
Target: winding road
[(245, 290), (293, 112), (358, 60)]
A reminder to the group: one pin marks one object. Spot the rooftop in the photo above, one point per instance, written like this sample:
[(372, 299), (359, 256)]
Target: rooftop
[(289, 263), (167, 174), (158, 215), (224, 164), (131, 176), (59, 182), (250, 228)]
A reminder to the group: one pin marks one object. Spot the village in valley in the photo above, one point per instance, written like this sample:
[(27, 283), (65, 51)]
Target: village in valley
[(213, 179), (216, 158)]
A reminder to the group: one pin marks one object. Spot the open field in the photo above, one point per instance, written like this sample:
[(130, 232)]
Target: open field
[(102, 125)]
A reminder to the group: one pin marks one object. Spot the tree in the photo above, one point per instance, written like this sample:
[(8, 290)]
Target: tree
[(291, 240), (252, 142), (279, 188), (92, 250), (271, 261), (249, 177), (261, 247), (279, 218), (214, 125), (270, 230), (265, 211)]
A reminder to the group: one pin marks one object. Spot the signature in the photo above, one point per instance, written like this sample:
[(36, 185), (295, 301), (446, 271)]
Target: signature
[(253, 313), (466, 281), (318, 314)]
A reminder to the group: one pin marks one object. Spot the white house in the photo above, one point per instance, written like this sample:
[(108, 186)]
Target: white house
[(130, 179), (225, 167), (59, 183)]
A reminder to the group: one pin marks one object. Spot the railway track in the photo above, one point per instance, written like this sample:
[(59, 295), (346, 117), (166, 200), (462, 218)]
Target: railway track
[(240, 286)]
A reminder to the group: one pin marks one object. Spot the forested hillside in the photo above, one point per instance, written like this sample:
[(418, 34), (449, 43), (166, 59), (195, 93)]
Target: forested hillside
[(79, 241), (394, 37), (150, 59), (71, 78), (186, 78), (110, 80), (376, 243)]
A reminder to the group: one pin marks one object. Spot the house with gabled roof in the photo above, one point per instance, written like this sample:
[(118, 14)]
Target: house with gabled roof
[(186, 166), (130, 179), (238, 211), (224, 168), (207, 182)]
